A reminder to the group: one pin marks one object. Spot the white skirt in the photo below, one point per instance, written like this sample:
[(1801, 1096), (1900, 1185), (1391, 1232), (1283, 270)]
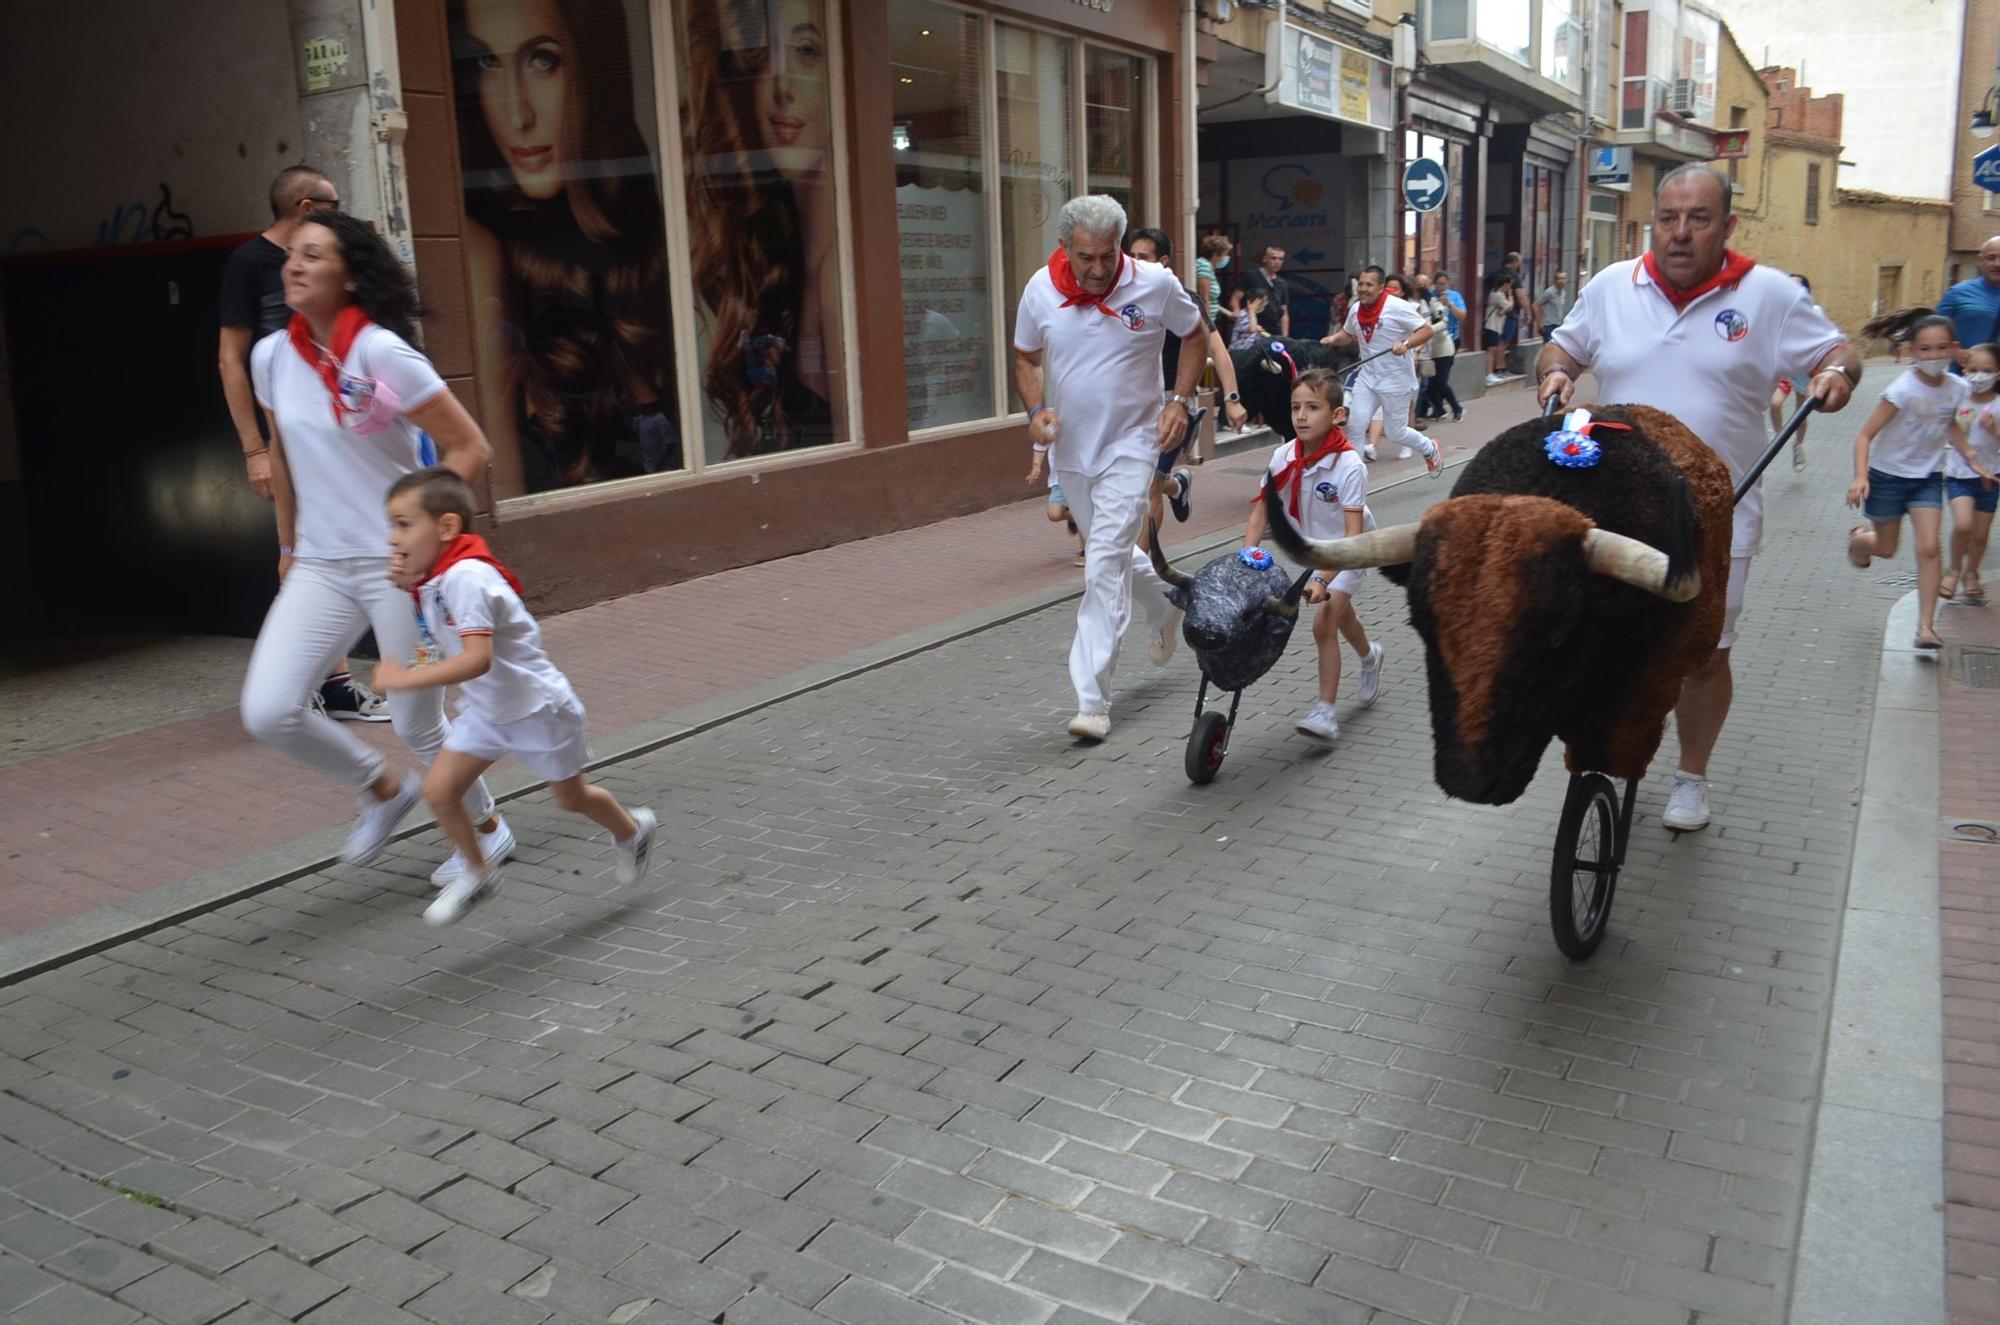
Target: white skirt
[(552, 743)]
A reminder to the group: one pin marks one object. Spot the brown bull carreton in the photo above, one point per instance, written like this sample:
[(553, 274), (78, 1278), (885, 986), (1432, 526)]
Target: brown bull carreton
[(1561, 591)]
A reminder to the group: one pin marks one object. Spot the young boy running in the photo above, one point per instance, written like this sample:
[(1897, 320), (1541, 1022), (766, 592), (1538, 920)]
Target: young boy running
[(477, 634), (1325, 486)]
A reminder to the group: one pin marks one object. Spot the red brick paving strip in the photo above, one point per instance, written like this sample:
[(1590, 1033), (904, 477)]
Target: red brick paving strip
[(83, 828), (1969, 916)]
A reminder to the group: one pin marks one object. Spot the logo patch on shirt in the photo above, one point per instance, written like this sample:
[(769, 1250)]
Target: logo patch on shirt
[(1133, 316), (1325, 491), (1731, 325)]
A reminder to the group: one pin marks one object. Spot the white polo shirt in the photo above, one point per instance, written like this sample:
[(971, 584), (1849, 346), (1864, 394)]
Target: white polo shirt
[(1331, 487), (1101, 374), (1711, 364), (472, 598), (1392, 373)]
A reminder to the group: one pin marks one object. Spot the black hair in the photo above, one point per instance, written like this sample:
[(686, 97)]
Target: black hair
[(1380, 275), (1803, 281), (1161, 244), (382, 285), (440, 491), (293, 186), (1325, 384)]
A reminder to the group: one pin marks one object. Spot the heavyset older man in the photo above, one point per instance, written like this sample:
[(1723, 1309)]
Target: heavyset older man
[(1701, 331), (1087, 344), (1974, 305)]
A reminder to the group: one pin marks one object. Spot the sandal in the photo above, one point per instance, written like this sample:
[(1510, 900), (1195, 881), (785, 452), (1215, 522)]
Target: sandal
[(1975, 592), (1933, 644), (1948, 585), (1852, 534)]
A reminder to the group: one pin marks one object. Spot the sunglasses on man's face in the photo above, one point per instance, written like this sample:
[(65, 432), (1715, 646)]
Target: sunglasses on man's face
[(314, 204)]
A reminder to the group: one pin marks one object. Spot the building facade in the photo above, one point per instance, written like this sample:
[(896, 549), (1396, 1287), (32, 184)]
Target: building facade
[(1975, 212), (723, 280)]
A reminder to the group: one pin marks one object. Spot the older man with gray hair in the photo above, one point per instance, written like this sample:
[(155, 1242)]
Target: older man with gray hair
[(1088, 338)]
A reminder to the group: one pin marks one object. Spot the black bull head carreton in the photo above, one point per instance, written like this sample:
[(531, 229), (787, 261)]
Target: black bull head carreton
[(1556, 601), (1240, 612)]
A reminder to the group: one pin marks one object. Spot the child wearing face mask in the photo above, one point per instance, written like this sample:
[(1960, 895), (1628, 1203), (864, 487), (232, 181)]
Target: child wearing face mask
[(1899, 461), (1973, 498)]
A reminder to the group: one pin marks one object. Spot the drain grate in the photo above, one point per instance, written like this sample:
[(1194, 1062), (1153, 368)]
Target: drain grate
[(1976, 667)]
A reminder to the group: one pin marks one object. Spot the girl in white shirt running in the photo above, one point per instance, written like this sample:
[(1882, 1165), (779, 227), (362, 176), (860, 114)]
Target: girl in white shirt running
[(1973, 499), (349, 401), (1899, 465)]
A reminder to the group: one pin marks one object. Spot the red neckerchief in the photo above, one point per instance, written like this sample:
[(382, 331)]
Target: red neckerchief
[(346, 327), (466, 547), (1294, 472), (1371, 313), (1074, 294), (1734, 267)]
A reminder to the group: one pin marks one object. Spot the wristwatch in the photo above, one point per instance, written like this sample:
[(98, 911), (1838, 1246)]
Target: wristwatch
[(1185, 402), (1233, 398)]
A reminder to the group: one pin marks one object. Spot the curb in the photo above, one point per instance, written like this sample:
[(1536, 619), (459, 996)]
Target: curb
[(1872, 1238), (53, 945)]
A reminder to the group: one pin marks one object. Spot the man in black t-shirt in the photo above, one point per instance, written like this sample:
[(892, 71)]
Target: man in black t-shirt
[(253, 306), (1263, 279)]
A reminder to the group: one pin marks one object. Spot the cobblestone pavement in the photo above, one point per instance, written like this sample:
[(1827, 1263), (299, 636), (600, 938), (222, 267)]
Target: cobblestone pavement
[(930, 1015)]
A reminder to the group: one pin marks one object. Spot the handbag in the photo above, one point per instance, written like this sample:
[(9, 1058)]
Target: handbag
[(1425, 368)]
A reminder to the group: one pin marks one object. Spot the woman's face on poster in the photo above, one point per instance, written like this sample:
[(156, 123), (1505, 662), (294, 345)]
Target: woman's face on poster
[(524, 83), (792, 91)]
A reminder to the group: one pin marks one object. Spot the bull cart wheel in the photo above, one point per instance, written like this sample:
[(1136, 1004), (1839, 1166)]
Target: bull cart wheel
[(1206, 746), (1590, 848)]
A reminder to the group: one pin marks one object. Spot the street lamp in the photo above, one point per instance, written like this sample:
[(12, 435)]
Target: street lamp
[(1982, 119)]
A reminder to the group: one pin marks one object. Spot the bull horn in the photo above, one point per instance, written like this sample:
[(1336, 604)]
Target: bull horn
[(1377, 547), (1288, 606), (1638, 564), (1161, 566)]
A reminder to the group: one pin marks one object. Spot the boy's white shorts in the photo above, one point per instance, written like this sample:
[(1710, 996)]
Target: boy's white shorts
[(551, 743)]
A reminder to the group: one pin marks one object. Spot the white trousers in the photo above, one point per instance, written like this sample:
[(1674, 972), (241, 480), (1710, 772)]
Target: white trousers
[(322, 609), (1110, 511), (1366, 398)]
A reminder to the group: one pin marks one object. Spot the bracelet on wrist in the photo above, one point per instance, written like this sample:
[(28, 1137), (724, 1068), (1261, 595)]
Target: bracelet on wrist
[(1034, 410), (1041, 448), (262, 450), (285, 550)]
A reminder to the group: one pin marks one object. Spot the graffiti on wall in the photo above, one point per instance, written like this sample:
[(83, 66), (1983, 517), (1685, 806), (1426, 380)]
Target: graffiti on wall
[(125, 223)]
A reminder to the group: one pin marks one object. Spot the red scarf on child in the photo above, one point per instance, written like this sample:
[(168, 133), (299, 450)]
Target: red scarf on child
[(467, 547), (1735, 266), (1294, 472), (1370, 313), (346, 327), (1073, 293)]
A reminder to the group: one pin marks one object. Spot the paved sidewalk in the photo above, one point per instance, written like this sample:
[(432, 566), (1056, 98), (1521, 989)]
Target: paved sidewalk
[(930, 1015), (194, 802)]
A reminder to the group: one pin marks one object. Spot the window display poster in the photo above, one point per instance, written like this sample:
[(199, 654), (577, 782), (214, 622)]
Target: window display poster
[(947, 310)]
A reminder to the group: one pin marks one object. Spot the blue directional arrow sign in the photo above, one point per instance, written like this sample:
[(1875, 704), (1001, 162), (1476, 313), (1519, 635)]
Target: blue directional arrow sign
[(1986, 169), (1425, 184)]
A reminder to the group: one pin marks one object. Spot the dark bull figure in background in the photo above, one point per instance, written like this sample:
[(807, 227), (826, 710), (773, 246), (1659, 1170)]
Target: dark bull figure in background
[(1557, 596), (1240, 609)]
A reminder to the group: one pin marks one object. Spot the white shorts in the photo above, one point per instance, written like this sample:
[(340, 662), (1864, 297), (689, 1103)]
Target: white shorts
[(1739, 575), (1348, 582), (551, 743)]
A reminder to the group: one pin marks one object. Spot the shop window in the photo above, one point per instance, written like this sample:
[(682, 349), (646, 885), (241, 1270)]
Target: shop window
[(1114, 130), (565, 240), (1812, 195), (938, 58), (763, 218), (1036, 131)]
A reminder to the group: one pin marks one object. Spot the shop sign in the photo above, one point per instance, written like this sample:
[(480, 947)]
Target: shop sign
[(1732, 145), (1320, 76), (1986, 169), (1611, 168), (325, 57)]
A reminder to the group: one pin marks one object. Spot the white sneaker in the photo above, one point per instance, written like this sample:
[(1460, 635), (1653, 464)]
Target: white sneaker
[(1090, 726), (458, 896), (1368, 450), (1371, 677), (378, 819), (1494, 379), (496, 846), (635, 854), (1405, 453), (1687, 804), (1319, 721), (1161, 646)]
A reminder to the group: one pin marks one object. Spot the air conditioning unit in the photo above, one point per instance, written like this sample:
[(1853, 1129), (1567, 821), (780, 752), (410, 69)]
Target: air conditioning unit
[(1681, 96)]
